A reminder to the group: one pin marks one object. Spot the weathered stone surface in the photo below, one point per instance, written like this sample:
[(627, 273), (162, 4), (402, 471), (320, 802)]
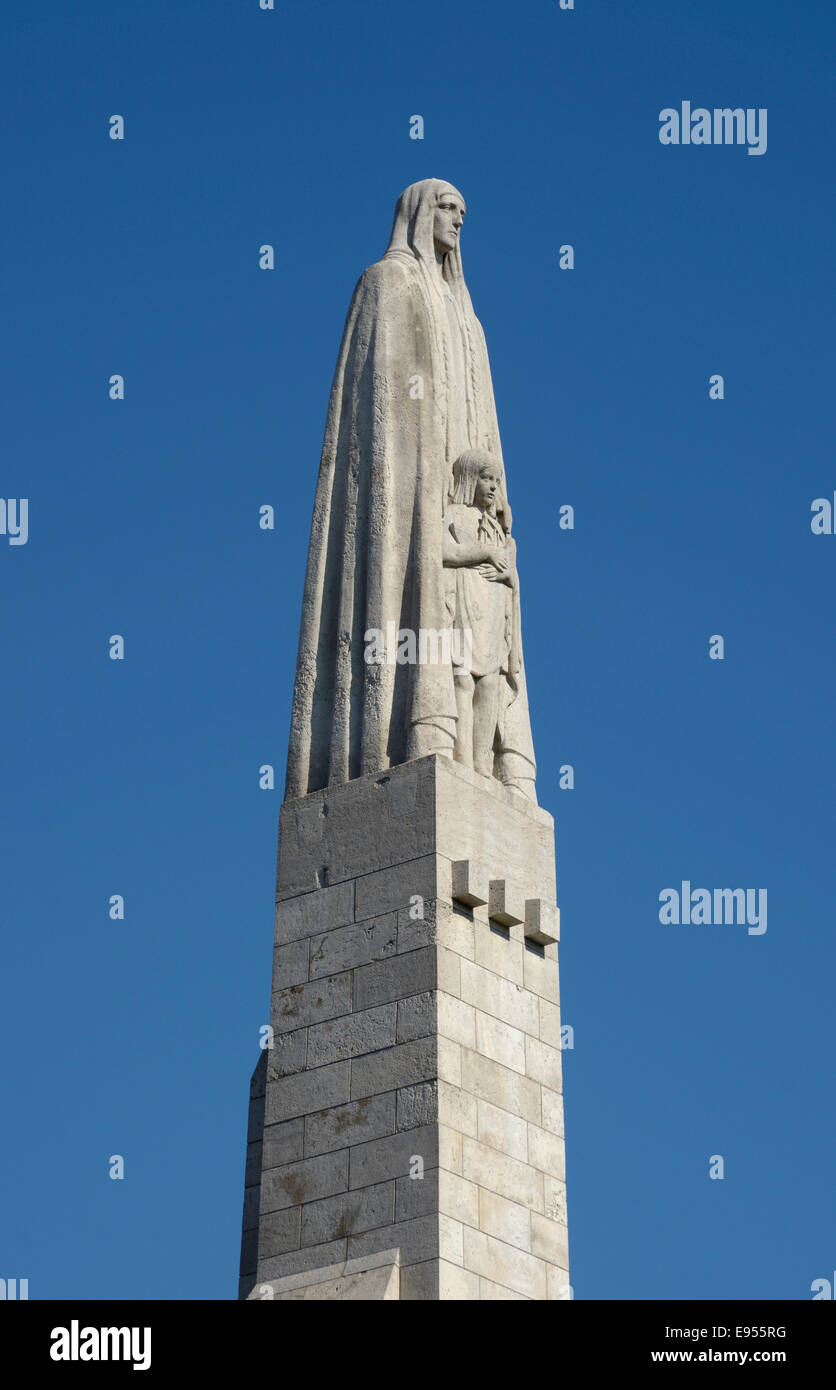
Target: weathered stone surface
[(344, 948), (497, 1172), (402, 1065), (500, 1042), (501, 1263), (351, 1035), (546, 1152), (502, 998), (278, 1232), (500, 1085), (309, 1091), (393, 1157), (356, 1122), (348, 1214), (416, 1016), (283, 1143), (287, 1053), (549, 1240), (295, 1183), (508, 1221), (312, 913), (310, 1003), (396, 978), (417, 1105), (499, 1129), (374, 1278)]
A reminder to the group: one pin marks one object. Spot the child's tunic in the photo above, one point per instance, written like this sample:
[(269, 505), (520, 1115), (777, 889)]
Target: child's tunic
[(483, 606)]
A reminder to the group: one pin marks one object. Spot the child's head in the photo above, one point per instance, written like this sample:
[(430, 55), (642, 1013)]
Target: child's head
[(477, 481)]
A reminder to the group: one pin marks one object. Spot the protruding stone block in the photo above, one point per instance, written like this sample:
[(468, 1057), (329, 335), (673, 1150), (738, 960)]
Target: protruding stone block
[(471, 883), (542, 921), (506, 902)]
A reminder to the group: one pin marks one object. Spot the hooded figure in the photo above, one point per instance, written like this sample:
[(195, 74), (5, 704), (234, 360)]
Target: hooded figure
[(411, 391)]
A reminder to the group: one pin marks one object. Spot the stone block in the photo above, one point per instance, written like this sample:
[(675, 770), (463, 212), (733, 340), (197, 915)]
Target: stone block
[(390, 890), (456, 1284), (310, 914), (440, 926), (498, 953), (506, 902), (500, 1041), (502, 998), (308, 1091), (417, 1105), (393, 1157), (304, 1181), (415, 1240), (491, 1292), (351, 1035), (311, 1257), (500, 1085), (558, 1286), (550, 1023), (540, 974), (544, 1064), (459, 1198), (542, 921), (554, 1193), (416, 1196), (470, 882), (449, 1149), (327, 997), (347, 1214), (449, 1061), (286, 1054), (278, 1232), (457, 1109), (552, 1111), (546, 1153), (347, 947), (395, 978), (283, 1143), (549, 1240), (290, 964), (499, 1129), (508, 1177), (416, 1016), (402, 1065), (357, 1122), (456, 1020), (506, 1220), (450, 1241), (501, 1263)]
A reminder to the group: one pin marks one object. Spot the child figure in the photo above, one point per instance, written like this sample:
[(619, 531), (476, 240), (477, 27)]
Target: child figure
[(481, 589)]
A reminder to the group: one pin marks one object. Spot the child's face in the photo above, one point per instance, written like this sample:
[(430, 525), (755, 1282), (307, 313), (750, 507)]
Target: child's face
[(487, 489)]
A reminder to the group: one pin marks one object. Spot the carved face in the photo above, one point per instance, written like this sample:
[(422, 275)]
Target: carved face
[(488, 488), (449, 215)]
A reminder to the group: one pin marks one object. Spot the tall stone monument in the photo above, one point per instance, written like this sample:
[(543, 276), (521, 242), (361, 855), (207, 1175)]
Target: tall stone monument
[(406, 1119)]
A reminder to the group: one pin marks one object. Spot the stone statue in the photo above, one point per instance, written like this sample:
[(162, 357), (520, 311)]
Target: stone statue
[(483, 604), (411, 394)]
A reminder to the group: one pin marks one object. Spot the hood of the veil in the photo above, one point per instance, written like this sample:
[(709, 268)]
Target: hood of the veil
[(412, 230)]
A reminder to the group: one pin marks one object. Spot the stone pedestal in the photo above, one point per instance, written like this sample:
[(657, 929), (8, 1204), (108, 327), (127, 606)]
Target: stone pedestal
[(406, 1125)]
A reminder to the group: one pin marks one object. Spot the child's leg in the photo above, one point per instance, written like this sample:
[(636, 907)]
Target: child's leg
[(463, 751), (485, 716)]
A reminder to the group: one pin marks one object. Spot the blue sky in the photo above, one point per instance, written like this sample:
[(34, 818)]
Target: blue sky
[(692, 518)]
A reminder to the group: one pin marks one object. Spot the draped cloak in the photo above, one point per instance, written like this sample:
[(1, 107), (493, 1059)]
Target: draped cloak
[(411, 390)]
